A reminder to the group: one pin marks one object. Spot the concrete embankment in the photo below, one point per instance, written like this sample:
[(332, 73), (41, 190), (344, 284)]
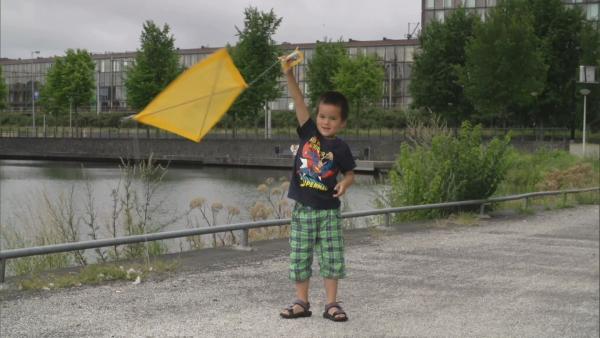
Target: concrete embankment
[(373, 154)]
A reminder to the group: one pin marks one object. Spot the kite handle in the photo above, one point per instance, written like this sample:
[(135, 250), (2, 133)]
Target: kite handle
[(291, 60)]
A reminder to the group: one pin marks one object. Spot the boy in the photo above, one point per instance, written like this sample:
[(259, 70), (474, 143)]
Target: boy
[(316, 223)]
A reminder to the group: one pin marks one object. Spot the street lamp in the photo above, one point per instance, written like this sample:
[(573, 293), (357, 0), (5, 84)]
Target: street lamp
[(33, 89), (585, 92), (587, 75)]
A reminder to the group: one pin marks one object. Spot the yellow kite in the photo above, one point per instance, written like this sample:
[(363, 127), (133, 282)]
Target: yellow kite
[(196, 100)]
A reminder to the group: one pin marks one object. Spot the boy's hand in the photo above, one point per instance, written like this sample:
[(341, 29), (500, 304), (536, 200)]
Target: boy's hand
[(339, 189), (289, 61), (344, 184)]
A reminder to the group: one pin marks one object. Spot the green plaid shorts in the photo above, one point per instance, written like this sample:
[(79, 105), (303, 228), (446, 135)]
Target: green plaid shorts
[(320, 231)]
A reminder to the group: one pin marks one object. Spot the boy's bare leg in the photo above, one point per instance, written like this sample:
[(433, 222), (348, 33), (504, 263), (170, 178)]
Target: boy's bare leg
[(302, 294), (331, 289), (331, 286), (302, 291)]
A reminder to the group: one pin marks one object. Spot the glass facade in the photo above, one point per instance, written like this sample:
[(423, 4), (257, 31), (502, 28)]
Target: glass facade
[(441, 9), (396, 56)]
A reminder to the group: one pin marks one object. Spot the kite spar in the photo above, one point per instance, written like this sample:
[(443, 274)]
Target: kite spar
[(195, 101)]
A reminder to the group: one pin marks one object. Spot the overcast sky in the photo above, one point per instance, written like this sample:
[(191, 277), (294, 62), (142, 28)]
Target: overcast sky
[(52, 26)]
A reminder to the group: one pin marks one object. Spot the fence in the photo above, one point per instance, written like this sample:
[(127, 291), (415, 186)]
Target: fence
[(245, 227), (144, 132)]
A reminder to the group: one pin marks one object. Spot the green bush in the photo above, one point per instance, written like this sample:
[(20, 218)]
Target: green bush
[(450, 169)]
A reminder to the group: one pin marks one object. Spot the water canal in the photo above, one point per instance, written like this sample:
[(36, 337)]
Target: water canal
[(28, 188)]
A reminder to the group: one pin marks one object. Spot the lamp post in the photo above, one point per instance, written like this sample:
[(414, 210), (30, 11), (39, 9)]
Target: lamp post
[(587, 76), (585, 92), (389, 67), (33, 89)]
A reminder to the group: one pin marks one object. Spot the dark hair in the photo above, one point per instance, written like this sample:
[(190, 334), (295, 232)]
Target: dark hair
[(337, 99)]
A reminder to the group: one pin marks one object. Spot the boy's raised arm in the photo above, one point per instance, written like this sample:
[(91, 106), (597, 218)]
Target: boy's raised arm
[(302, 113)]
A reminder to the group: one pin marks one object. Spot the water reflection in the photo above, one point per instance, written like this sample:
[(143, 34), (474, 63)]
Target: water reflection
[(24, 186)]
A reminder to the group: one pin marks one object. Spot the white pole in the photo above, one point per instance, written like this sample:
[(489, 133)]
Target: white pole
[(390, 80), (584, 113), (98, 91), (32, 88)]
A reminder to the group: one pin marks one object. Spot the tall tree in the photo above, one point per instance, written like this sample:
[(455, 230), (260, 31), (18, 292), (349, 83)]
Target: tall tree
[(3, 91), (322, 67), (559, 28), (156, 65), (360, 79), (504, 63), (70, 82), (435, 75), (254, 54)]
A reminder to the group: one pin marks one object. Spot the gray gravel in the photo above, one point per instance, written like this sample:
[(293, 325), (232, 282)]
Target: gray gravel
[(508, 276)]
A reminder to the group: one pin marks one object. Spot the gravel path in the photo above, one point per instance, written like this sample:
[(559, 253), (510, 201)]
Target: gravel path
[(509, 276)]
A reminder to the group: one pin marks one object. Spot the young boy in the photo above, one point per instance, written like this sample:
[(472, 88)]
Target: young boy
[(316, 223)]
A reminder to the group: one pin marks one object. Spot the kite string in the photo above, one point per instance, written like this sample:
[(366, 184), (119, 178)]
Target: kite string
[(263, 73)]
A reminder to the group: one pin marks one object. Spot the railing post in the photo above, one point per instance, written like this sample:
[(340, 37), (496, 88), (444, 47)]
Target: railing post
[(482, 211), (387, 220), (564, 199), (244, 239), (2, 269), (526, 203)]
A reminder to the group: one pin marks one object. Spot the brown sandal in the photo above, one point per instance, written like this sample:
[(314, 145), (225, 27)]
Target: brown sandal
[(290, 310), (334, 316)]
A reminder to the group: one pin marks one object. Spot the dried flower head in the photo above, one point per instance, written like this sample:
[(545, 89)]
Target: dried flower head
[(216, 206), (263, 188), (233, 210), (197, 202), (269, 181)]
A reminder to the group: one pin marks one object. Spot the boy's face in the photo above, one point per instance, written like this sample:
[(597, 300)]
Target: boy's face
[(329, 120)]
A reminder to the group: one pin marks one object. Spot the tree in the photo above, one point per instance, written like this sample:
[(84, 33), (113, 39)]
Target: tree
[(322, 67), (156, 65), (504, 63), (559, 28), (435, 74), (3, 91), (254, 54), (69, 83), (360, 79)]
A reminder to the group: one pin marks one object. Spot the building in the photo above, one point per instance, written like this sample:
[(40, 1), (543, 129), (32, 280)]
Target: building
[(440, 9), (111, 71), (396, 55)]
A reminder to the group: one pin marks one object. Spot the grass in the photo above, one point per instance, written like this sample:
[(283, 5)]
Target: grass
[(96, 274)]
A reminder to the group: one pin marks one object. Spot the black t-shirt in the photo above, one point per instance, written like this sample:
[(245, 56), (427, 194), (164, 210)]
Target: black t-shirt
[(316, 166)]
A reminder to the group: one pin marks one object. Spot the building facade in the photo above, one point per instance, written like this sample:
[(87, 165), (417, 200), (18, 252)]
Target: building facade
[(440, 9), (24, 78), (396, 56)]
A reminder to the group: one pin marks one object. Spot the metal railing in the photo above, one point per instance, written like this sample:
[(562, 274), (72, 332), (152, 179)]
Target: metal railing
[(145, 132), (245, 227)]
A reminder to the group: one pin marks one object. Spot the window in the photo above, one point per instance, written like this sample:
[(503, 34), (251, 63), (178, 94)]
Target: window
[(439, 16), (468, 3), (447, 3), (430, 4), (592, 11), (491, 3), (409, 54), (481, 12)]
